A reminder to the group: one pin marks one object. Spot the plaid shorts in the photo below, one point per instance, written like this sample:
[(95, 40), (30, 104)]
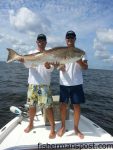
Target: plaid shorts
[(39, 95)]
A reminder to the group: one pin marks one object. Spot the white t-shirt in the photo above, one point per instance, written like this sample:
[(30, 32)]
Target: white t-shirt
[(39, 75), (72, 74)]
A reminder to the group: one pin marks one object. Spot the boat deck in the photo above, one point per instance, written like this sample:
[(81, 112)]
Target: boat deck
[(39, 135), (13, 137)]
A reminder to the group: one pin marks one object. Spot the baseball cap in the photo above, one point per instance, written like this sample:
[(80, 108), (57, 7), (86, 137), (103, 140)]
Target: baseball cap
[(41, 37), (70, 34)]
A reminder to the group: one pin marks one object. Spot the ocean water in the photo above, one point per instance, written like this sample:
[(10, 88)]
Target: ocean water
[(98, 88)]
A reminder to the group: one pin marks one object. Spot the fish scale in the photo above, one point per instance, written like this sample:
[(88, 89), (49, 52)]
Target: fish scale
[(59, 55)]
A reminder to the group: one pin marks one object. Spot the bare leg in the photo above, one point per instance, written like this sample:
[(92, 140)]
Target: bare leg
[(51, 121), (63, 107), (32, 112), (76, 121)]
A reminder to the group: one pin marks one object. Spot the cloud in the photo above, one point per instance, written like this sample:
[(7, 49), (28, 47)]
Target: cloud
[(16, 43), (24, 20), (98, 46), (52, 16), (102, 45), (22, 49), (105, 36), (103, 55)]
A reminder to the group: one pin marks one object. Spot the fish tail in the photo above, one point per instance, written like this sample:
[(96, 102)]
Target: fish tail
[(12, 55)]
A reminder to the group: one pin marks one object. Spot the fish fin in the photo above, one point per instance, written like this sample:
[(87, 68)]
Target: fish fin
[(11, 55)]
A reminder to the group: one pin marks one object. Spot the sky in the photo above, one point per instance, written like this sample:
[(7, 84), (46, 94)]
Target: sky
[(92, 20)]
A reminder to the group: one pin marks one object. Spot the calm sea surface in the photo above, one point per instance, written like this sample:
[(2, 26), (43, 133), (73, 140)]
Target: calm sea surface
[(98, 88)]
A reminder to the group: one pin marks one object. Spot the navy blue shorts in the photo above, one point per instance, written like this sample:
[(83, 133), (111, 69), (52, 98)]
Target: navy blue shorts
[(74, 93)]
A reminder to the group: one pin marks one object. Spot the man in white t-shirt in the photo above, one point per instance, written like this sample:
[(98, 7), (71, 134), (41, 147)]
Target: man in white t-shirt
[(71, 81), (39, 91)]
